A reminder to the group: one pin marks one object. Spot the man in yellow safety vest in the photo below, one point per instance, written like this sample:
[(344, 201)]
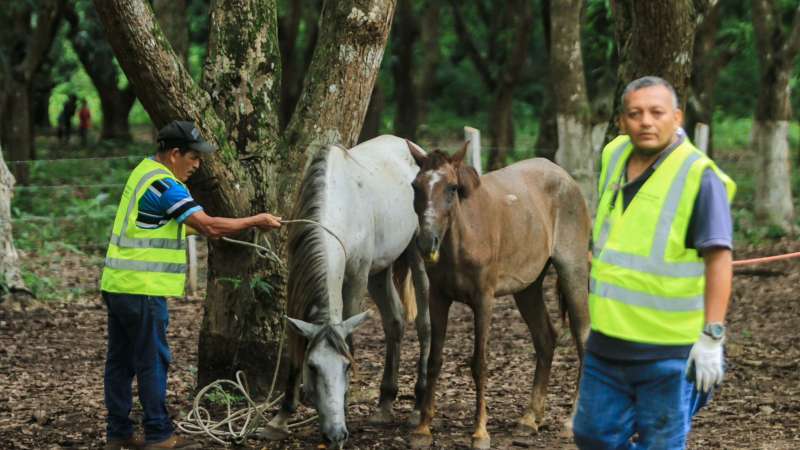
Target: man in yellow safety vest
[(146, 262), (660, 280)]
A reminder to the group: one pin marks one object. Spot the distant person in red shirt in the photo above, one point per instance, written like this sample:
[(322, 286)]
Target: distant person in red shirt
[(85, 121)]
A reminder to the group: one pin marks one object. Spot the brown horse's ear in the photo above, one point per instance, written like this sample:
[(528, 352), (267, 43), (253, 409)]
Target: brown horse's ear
[(458, 156), (468, 180), (416, 153)]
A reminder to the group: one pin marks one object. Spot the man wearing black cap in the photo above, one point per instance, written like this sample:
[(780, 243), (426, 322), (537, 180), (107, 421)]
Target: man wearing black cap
[(145, 263)]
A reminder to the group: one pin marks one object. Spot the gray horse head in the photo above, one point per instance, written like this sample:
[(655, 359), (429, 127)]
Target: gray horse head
[(326, 373)]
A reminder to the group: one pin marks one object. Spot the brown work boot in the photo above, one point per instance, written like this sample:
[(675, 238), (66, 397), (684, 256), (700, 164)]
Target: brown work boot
[(173, 441), (135, 442)]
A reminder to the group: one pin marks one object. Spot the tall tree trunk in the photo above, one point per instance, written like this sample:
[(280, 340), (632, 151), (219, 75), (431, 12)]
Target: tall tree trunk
[(296, 51), (97, 58), (777, 52), (372, 122), (654, 38), (257, 166), (23, 55), (431, 56), (711, 55), (405, 35), (547, 138), (575, 149), (172, 18), (508, 55), (12, 286)]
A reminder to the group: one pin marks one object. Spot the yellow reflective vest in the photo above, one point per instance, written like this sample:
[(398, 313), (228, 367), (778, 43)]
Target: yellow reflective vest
[(144, 261), (646, 286)]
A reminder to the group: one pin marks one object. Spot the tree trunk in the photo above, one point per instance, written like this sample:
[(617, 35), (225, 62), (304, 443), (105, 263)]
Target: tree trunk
[(172, 18), (12, 286), (431, 51), (372, 122), (296, 50), (257, 166), (654, 38), (97, 58), (777, 52), (501, 127), (23, 56), (575, 150), (406, 32), (708, 62)]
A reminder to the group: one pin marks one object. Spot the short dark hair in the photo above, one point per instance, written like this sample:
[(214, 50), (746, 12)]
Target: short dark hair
[(649, 81)]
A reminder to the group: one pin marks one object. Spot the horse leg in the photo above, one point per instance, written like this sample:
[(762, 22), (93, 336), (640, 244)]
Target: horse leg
[(423, 326), (439, 312), (383, 292), (573, 285), (482, 312), (278, 427), (353, 290), (530, 303)]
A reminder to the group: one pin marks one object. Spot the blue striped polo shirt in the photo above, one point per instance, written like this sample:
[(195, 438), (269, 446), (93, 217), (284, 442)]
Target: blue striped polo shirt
[(165, 199)]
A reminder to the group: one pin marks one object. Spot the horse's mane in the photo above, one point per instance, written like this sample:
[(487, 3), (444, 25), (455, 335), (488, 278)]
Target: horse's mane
[(307, 282)]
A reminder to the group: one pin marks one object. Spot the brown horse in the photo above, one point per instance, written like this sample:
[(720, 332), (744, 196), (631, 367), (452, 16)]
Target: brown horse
[(484, 237)]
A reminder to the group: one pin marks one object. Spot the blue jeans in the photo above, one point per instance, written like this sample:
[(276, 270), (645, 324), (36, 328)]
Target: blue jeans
[(618, 399), (137, 345)]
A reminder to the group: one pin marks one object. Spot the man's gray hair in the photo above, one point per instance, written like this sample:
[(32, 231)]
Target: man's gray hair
[(648, 81)]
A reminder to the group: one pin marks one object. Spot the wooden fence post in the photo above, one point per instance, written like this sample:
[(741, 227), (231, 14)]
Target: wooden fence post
[(474, 150), (701, 132)]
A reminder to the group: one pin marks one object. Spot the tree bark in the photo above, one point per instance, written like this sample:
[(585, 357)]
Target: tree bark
[(575, 150), (171, 15), (296, 50), (24, 53), (654, 38), (12, 286), (97, 59), (777, 52), (257, 166), (431, 56)]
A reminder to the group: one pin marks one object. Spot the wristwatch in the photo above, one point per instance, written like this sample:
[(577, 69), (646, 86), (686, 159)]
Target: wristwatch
[(715, 330)]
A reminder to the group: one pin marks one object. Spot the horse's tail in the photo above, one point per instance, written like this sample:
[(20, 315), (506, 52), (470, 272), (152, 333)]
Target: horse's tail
[(405, 287)]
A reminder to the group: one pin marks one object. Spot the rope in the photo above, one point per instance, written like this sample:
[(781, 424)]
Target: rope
[(199, 421), (765, 259), (65, 186), (97, 158)]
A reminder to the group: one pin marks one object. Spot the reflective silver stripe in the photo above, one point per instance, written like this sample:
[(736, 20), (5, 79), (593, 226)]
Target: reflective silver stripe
[(123, 241), (179, 204), (655, 264), (670, 207), (145, 266), (635, 298), (612, 163), (132, 201)]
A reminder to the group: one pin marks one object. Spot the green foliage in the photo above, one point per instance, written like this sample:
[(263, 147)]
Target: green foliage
[(220, 397)]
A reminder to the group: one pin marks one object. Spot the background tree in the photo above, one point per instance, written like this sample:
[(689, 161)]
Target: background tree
[(24, 44), (777, 32), (171, 15), (97, 58), (500, 65), (257, 166), (12, 287), (655, 38), (573, 118)]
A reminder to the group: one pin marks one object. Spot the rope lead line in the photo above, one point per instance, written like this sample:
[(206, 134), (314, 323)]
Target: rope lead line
[(199, 421)]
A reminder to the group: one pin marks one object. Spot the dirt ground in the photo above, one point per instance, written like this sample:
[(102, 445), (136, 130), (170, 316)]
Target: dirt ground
[(51, 366)]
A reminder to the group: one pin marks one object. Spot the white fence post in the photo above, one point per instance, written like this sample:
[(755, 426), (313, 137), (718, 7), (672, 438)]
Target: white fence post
[(474, 150), (701, 132), (192, 240)]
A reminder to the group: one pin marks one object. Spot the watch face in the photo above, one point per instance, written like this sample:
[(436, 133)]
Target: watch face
[(715, 330)]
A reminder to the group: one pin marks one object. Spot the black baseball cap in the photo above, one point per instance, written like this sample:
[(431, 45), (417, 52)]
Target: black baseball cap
[(183, 134)]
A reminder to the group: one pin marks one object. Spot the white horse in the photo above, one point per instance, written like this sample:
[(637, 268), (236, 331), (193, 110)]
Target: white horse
[(363, 200)]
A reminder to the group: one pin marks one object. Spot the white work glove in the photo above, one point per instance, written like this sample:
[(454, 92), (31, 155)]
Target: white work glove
[(705, 363)]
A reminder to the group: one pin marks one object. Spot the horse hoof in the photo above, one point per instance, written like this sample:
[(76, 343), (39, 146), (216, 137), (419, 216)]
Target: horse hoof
[(419, 440), (271, 433), (381, 417), (527, 424), (481, 443), (413, 418)]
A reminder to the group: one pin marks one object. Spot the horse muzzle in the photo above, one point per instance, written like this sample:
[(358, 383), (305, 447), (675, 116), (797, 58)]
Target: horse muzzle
[(429, 248)]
